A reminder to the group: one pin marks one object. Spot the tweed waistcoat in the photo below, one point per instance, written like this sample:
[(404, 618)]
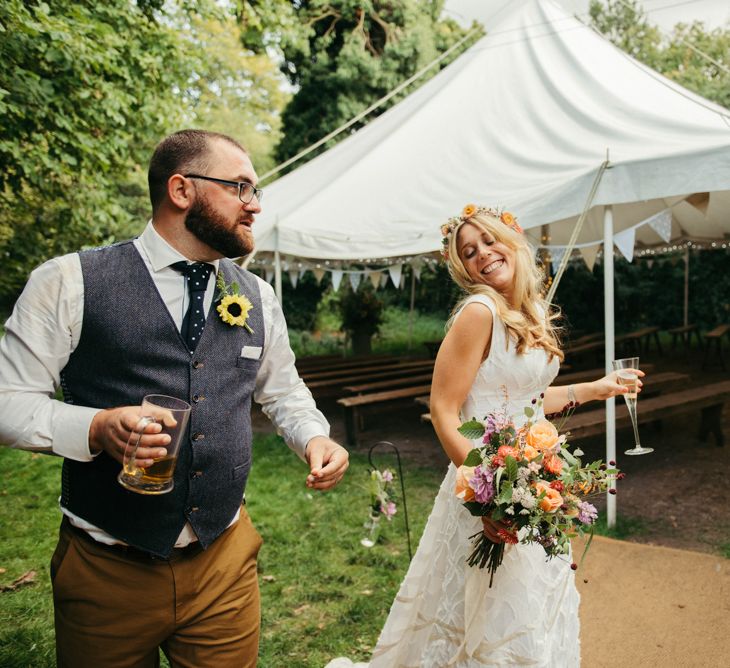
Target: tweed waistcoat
[(130, 347)]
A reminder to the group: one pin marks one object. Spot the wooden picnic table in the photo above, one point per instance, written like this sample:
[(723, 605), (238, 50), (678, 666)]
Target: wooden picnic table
[(684, 333)]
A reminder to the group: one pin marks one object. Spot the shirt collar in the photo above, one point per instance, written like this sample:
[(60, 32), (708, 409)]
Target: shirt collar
[(160, 253)]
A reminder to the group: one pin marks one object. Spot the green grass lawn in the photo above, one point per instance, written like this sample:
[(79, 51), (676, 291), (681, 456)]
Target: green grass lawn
[(322, 593)]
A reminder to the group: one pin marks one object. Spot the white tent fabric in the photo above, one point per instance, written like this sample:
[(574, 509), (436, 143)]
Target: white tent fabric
[(523, 121)]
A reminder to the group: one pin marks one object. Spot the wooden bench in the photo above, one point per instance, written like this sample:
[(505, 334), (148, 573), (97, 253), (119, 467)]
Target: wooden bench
[(381, 385), (326, 386), (352, 405), (715, 337), (654, 384), (684, 333), (313, 366), (567, 379), (362, 370), (709, 399)]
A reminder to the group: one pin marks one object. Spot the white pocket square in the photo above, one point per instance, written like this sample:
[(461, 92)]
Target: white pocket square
[(251, 352)]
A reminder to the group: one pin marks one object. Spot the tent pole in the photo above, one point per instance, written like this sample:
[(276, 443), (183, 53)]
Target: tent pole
[(277, 268), (608, 312), (410, 312), (686, 286)]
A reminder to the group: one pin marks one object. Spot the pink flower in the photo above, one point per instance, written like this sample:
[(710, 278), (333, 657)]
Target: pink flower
[(389, 510), (388, 475)]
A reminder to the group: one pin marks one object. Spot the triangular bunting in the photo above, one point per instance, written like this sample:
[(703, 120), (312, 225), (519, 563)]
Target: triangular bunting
[(556, 257), (625, 243), (336, 279), (375, 277), (269, 274), (294, 277), (318, 274), (395, 271), (699, 201), (589, 255), (661, 223), (355, 279), (383, 279)]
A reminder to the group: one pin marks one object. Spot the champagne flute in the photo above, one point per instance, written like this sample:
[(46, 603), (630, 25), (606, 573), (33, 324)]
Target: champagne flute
[(628, 378)]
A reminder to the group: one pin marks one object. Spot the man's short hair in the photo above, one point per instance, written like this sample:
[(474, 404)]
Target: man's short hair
[(180, 153)]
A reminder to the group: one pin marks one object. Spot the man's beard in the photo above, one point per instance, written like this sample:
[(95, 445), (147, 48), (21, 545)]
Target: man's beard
[(213, 229)]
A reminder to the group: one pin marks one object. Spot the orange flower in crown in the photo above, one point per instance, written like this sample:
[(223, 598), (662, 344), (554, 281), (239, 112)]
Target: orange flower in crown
[(469, 211), (510, 221)]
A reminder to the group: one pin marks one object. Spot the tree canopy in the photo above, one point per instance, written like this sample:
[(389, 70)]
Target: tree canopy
[(87, 89), (343, 55)]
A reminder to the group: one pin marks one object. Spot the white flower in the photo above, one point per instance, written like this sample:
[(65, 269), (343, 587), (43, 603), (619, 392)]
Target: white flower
[(534, 467), (509, 510), (528, 501), (578, 452), (524, 511)]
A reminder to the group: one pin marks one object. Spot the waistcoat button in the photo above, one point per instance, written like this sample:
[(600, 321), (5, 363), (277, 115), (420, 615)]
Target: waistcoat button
[(197, 364), (197, 436)]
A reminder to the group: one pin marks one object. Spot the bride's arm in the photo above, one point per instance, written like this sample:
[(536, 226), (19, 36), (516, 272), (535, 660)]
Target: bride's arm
[(464, 348), (558, 397)]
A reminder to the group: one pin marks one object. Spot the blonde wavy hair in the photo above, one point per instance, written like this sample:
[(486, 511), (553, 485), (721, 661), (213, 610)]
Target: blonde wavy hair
[(530, 321)]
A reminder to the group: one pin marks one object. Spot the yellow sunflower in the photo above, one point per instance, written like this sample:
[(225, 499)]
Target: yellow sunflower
[(234, 309)]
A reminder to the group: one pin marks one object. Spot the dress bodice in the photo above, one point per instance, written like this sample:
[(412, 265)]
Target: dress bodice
[(507, 381)]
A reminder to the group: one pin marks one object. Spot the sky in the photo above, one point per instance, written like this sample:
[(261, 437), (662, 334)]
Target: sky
[(664, 13)]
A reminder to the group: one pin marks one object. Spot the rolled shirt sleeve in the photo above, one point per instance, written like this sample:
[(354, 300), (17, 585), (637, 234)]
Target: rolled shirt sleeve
[(40, 336), (283, 396)]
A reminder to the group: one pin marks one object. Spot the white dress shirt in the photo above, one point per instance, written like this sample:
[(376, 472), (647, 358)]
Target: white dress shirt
[(45, 328)]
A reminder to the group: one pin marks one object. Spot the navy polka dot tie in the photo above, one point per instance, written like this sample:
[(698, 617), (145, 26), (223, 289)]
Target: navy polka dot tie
[(196, 276)]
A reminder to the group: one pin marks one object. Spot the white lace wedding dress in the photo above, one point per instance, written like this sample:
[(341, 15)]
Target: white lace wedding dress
[(445, 614)]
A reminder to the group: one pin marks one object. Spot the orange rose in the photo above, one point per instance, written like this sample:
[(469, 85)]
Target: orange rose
[(508, 218), (542, 435), (552, 464), (552, 499), (463, 475), (529, 453), (507, 450), (469, 211)]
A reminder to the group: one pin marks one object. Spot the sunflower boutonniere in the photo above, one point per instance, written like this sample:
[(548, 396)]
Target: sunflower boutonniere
[(233, 308)]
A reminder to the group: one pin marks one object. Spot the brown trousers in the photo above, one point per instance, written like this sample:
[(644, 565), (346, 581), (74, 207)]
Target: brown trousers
[(114, 607)]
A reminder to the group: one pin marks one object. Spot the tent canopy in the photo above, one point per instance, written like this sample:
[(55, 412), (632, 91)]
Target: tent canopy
[(522, 120)]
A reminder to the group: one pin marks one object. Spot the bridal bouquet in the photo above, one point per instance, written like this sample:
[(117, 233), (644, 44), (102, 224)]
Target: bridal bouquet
[(528, 479)]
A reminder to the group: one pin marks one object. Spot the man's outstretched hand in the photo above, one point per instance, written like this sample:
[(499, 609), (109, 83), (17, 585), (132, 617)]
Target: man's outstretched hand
[(327, 461)]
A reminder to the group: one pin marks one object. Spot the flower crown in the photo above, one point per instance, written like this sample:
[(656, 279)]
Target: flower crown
[(469, 211)]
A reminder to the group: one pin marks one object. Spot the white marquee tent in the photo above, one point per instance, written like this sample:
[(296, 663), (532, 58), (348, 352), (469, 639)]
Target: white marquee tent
[(523, 120)]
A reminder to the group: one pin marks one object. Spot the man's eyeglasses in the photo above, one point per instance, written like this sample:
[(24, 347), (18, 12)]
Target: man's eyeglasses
[(246, 191)]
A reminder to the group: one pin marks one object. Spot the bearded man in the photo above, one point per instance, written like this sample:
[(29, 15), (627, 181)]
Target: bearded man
[(134, 573)]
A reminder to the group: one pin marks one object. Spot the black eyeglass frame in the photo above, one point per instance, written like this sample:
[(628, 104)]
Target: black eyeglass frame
[(243, 186)]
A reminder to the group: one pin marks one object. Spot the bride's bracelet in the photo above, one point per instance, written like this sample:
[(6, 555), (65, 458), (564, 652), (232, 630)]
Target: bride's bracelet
[(571, 395)]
